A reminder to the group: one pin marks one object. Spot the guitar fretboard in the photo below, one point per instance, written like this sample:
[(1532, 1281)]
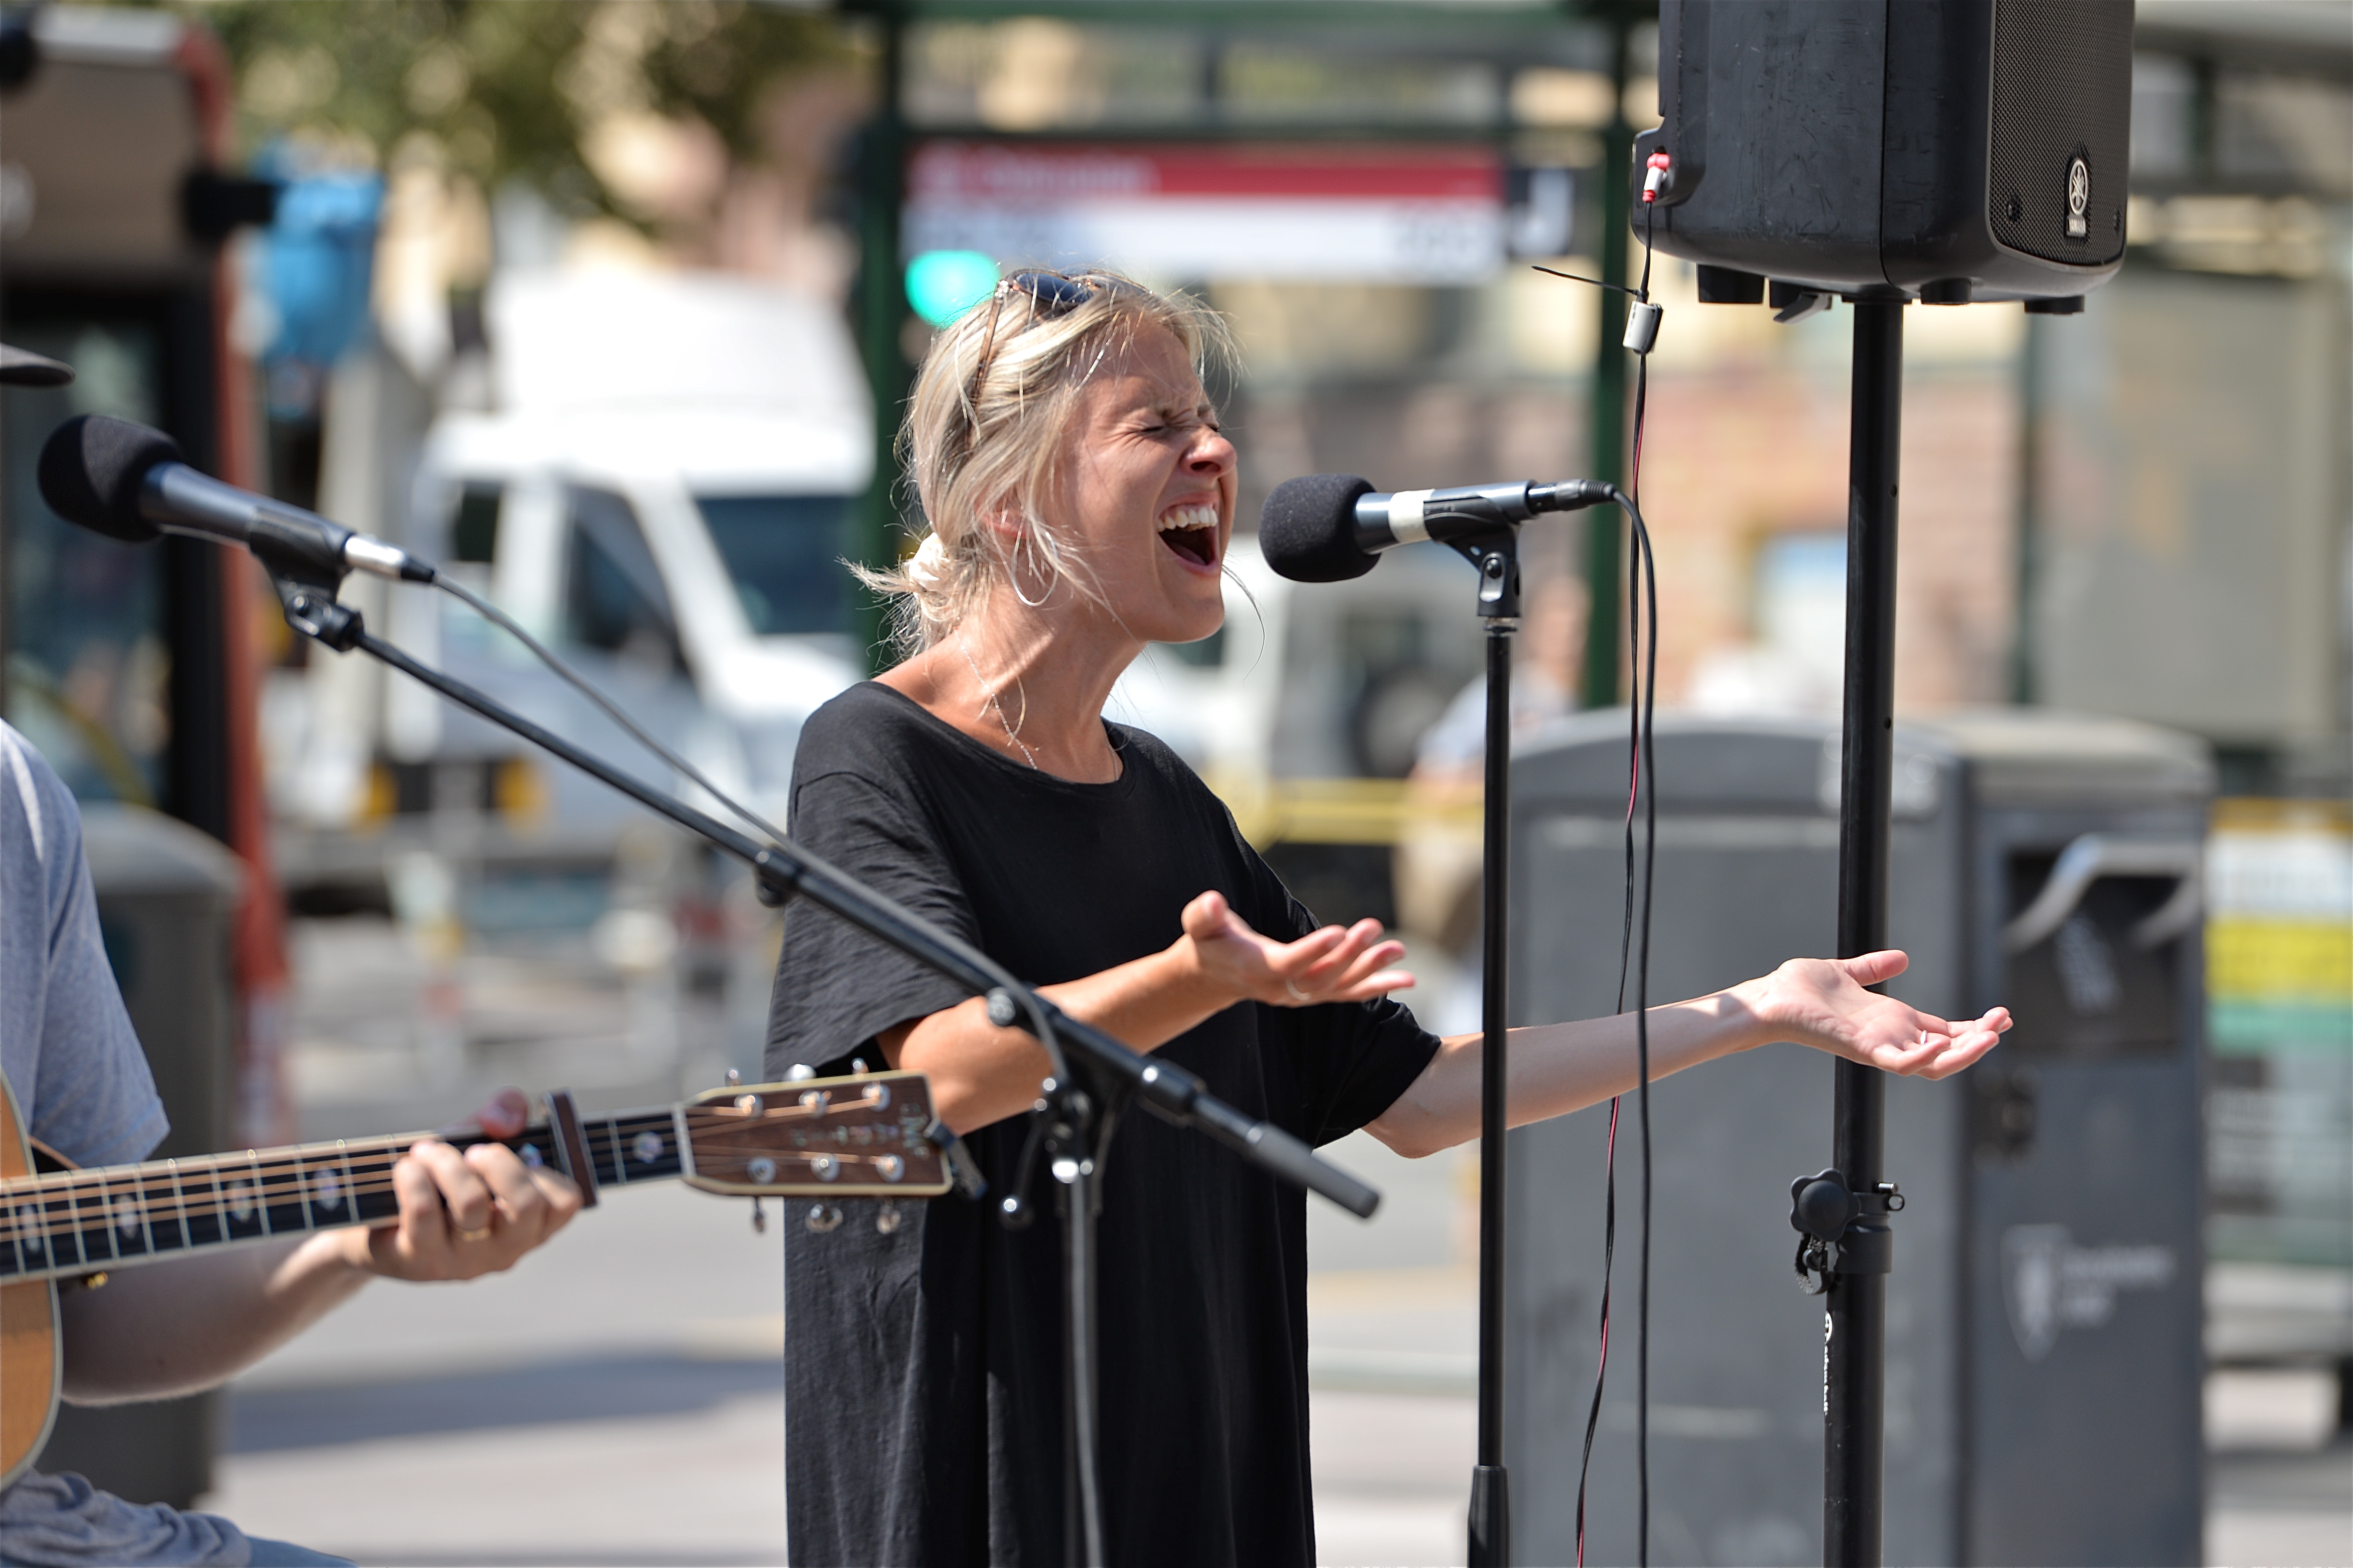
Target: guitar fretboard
[(79, 1222)]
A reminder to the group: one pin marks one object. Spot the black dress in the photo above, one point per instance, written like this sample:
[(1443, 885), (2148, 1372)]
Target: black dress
[(924, 1367)]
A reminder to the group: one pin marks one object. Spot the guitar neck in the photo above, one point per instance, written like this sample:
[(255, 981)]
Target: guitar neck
[(74, 1223)]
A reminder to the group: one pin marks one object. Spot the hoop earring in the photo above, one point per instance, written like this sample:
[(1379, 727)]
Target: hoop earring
[(1013, 574)]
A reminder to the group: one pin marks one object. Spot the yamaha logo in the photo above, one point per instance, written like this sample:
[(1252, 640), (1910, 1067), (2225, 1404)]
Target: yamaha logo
[(2079, 198)]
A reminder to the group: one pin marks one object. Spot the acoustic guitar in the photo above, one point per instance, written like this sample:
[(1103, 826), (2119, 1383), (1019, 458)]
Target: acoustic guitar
[(872, 1135)]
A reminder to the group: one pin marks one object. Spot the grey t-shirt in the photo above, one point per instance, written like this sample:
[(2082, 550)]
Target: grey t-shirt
[(81, 1081)]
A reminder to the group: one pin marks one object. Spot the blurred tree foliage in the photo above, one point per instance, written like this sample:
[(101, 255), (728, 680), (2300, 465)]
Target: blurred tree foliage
[(507, 90)]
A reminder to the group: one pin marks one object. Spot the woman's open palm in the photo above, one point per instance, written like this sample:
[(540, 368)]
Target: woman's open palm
[(1336, 964), (1822, 1003)]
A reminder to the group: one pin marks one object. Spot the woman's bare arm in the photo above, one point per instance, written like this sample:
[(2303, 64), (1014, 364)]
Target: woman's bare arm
[(980, 1073), (1559, 1067)]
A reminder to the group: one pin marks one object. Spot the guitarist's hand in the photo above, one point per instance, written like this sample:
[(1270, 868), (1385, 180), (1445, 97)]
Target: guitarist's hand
[(190, 1323), (465, 1215)]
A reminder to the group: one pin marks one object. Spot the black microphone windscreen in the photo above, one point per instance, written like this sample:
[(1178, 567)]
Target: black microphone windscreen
[(1307, 530), (91, 469)]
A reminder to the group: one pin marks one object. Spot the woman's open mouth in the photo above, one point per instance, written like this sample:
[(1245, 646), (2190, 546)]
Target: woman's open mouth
[(1191, 531)]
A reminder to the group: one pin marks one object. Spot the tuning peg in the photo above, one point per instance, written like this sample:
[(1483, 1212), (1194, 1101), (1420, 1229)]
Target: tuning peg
[(858, 1066), (886, 1218), (823, 1217), (734, 1078), (759, 1218), (799, 1071)]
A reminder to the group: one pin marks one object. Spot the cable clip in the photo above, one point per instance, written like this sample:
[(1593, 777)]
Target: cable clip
[(1660, 178), (1642, 326)]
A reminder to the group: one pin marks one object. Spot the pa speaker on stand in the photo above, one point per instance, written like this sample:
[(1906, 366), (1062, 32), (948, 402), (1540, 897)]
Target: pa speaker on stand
[(1884, 153), (1948, 150)]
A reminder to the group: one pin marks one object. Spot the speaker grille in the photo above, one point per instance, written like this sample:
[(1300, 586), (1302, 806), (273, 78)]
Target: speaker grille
[(2062, 91)]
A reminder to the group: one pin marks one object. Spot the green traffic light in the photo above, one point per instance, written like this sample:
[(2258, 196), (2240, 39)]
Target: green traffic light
[(944, 284)]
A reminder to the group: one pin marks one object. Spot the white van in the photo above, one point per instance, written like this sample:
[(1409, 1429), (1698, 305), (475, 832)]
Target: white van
[(664, 496)]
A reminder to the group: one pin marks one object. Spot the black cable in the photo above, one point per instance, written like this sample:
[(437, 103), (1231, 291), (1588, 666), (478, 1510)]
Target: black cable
[(1647, 575), (1650, 765), (1573, 278), (1642, 586), (578, 683), (1080, 1347)]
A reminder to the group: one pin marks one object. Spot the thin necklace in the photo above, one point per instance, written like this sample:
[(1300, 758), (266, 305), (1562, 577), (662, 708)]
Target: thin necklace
[(1031, 756)]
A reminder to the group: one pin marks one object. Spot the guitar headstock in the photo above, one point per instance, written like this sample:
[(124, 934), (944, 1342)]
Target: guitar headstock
[(840, 1137)]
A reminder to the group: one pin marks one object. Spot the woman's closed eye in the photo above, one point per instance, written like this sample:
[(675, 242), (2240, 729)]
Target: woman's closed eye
[(1168, 422)]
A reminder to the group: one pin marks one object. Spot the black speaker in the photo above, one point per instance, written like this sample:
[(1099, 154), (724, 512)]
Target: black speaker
[(1950, 149)]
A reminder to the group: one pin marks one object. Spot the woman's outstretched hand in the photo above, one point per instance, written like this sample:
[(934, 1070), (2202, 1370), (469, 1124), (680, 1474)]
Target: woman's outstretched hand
[(1821, 1002), (1337, 964)]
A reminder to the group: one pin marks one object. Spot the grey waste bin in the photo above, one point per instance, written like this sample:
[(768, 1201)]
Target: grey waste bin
[(167, 899), (2044, 1365)]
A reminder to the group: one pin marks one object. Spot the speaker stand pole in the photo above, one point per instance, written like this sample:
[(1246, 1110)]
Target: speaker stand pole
[(1855, 1324), (1499, 608)]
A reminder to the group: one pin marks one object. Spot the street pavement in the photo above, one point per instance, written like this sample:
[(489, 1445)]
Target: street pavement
[(618, 1398)]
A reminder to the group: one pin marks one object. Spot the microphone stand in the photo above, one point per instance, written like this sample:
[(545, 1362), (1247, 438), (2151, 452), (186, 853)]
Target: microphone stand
[(1074, 1125), (1497, 557)]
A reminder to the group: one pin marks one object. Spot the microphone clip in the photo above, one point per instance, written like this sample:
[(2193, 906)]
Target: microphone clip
[(316, 613), (1498, 560)]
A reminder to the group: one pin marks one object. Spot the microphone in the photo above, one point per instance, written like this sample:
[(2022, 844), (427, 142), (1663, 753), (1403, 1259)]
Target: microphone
[(1328, 528), (128, 482)]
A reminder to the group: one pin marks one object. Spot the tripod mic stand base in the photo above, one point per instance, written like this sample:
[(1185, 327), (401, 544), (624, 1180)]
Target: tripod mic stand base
[(1490, 1516)]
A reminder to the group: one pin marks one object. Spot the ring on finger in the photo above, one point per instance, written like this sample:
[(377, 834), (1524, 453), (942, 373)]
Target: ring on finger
[(474, 1234), (1296, 994)]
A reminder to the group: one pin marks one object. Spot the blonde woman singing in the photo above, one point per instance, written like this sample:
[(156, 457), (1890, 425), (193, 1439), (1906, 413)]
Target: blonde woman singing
[(1080, 496)]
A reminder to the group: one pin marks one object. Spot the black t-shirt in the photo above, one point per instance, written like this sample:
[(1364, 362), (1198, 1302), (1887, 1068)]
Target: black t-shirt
[(924, 1367)]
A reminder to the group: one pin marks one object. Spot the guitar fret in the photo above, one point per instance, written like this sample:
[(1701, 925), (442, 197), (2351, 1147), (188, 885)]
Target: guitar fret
[(172, 1233), (351, 1183), (647, 1146), (373, 1197), (281, 1181), (51, 1210), (117, 1202), (604, 1157), (12, 1261), (58, 1229), (93, 1231), (32, 1245), (242, 1199), (620, 1136), (145, 1216), (319, 1188), (204, 1220)]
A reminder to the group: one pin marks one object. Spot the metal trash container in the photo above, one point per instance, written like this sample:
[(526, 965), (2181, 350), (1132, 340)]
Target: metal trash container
[(167, 900), (2043, 1363)]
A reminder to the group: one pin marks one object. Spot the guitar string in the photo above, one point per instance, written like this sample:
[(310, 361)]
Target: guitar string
[(87, 1204), (58, 1200), (280, 1170), (272, 1173), (281, 1174)]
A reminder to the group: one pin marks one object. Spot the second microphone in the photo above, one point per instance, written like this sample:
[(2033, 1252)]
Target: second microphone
[(1327, 527)]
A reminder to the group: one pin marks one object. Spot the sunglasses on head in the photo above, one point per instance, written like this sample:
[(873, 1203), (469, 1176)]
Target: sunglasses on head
[(1051, 295)]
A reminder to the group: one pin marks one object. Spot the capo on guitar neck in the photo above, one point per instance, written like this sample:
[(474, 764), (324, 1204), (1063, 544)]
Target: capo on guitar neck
[(571, 1148)]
